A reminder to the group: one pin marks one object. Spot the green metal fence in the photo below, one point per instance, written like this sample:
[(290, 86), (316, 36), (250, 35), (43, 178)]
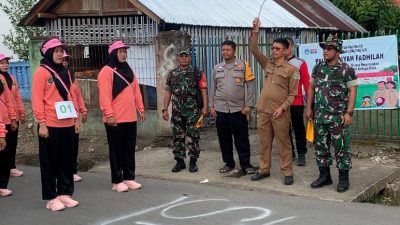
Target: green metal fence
[(378, 124)]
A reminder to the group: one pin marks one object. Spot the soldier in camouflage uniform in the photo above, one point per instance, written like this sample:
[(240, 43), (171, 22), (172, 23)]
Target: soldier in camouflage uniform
[(182, 87), (333, 90)]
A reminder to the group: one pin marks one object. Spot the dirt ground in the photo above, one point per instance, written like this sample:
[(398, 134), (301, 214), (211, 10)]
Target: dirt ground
[(94, 149)]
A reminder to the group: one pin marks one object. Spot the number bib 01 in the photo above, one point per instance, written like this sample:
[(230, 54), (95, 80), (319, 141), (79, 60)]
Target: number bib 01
[(65, 110)]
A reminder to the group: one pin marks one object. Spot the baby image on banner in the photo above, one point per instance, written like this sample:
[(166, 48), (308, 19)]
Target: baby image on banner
[(375, 61)]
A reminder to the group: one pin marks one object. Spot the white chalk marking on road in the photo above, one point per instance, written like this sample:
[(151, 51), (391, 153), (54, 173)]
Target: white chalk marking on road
[(280, 220), (265, 212), (141, 212), (146, 223)]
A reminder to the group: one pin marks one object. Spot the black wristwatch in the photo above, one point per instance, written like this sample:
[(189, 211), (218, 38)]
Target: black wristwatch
[(350, 113), (164, 110)]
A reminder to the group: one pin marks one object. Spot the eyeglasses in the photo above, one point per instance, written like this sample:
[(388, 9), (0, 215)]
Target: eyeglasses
[(329, 48), (276, 48)]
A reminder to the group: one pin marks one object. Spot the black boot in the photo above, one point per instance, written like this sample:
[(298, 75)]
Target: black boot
[(192, 165), (301, 161), (323, 179), (180, 165), (343, 184)]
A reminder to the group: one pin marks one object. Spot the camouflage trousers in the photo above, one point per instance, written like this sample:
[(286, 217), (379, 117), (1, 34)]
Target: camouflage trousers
[(183, 125), (332, 133)]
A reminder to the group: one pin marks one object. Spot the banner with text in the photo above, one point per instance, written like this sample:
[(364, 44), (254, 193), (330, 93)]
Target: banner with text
[(375, 61)]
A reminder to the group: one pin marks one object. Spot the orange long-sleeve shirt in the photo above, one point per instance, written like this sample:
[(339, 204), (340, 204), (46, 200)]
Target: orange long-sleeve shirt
[(7, 104), (3, 110), (44, 97), (78, 99), (17, 101), (3, 130), (125, 105)]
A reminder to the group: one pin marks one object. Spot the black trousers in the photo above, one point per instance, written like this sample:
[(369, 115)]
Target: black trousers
[(236, 125), (75, 154), (13, 142), (121, 146), (56, 158), (5, 161), (297, 118)]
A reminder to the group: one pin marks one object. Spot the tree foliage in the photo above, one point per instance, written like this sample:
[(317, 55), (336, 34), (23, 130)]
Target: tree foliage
[(373, 15), (18, 38)]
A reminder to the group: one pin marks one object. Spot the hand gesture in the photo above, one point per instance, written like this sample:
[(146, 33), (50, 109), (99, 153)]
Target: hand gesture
[(347, 119), (309, 114), (278, 112), (246, 110), (204, 110), (2, 143), (43, 131), (14, 125), (84, 118), (165, 115), (256, 24), (213, 112), (142, 116), (111, 122)]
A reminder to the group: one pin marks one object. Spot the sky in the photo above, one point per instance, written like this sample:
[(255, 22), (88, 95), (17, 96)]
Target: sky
[(5, 29)]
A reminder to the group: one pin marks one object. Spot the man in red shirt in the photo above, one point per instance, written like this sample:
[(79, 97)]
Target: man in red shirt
[(297, 107)]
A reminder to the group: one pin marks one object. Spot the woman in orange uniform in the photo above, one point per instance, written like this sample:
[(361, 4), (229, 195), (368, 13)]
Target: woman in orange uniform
[(12, 85), (120, 100), (8, 122), (81, 108), (53, 108)]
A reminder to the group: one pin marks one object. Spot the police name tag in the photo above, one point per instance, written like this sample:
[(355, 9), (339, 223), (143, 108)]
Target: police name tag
[(65, 110)]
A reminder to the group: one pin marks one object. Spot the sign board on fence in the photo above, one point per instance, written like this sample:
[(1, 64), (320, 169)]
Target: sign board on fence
[(375, 61)]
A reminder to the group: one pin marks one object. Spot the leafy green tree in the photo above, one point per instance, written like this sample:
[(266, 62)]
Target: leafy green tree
[(373, 15), (18, 38)]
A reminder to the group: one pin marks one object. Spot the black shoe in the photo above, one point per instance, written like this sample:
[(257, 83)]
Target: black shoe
[(323, 179), (301, 161), (225, 169), (180, 165), (250, 170), (193, 166), (289, 180), (259, 176), (344, 183)]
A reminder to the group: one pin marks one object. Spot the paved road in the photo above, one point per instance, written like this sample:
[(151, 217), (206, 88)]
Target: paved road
[(174, 203)]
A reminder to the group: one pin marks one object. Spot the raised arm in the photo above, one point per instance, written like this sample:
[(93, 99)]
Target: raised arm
[(261, 58)]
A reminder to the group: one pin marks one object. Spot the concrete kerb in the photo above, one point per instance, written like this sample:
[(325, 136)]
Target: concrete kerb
[(366, 178), (376, 187)]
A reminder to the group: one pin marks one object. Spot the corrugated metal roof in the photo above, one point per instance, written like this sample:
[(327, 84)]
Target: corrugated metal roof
[(320, 13), (240, 13), (222, 13)]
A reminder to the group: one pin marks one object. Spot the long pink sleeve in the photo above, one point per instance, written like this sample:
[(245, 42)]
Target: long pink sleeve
[(38, 87), (7, 101), (19, 106), (81, 103), (3, 130), (104, 84), (138, 96)]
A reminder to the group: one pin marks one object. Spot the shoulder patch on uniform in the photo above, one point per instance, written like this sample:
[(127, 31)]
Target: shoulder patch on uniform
[(296, 74)]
